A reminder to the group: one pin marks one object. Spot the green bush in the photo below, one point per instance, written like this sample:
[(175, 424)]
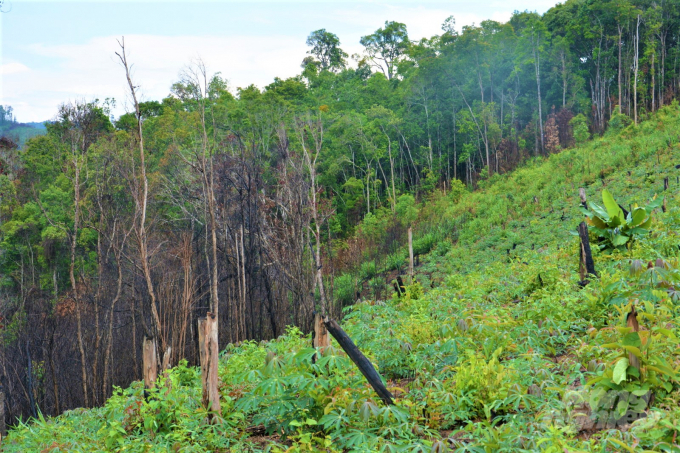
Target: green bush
[(395, 261), (406, 209), (344, 290), (579, 125), (368, 270), (423, 245)]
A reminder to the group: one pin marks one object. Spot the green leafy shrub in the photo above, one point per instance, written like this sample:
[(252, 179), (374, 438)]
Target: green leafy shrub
[(486, 382), (579, 126), (368, 270), (613, 229), (395, 261), (424, 244), (344, 289), (618, 122), (406, 209)]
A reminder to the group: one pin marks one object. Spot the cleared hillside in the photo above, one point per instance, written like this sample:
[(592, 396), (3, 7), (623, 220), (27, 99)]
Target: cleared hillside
[(503, 354)]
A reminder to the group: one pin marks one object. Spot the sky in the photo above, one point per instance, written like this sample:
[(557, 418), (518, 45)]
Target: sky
[(52, 52)]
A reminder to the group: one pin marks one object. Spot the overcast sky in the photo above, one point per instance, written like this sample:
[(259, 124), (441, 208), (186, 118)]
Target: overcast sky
[(54, 51)]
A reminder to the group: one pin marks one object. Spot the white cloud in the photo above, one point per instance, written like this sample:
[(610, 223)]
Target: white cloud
[(86, 71), (13, 68)]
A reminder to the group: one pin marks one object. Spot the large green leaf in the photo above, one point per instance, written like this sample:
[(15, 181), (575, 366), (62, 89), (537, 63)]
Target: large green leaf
[(638, 216), (596, 222), (615, 221), (647, 223), (600, 211), (619, 240), (632, 339), (612, 206), (656, 202), (619, 374)]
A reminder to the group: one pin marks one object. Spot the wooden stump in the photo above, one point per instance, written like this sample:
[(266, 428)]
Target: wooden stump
[(586, 263), (582, 196), (149, 362), (209, 352), (632, 322), (321, 338), (364, 365)]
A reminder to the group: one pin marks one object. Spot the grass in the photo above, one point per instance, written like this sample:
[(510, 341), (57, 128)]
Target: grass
[(507, 352)]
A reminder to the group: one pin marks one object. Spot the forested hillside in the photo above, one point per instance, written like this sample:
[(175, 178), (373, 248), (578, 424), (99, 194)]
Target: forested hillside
[(262, 206), (17, 132)]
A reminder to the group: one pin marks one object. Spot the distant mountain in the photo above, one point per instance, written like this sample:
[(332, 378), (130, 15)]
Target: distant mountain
[(40, 125), (21, 132)]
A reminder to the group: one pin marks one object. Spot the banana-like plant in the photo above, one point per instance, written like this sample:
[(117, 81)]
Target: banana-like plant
[(615, 229)]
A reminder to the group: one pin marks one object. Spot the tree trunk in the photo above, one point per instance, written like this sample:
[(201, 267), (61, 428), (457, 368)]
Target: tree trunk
[(587, 265), (3, 428), (72, 277), (207, 328), (632, 322), (410, 253), (537, 63), (637, 67), (321, 338), (364, 365), (149, 362), (620, 65), (141, 208)]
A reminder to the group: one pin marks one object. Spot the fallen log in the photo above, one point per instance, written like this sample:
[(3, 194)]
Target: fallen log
[(364, 365)]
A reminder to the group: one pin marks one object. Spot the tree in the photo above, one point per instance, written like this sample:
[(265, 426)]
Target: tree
[(140, 189), (385, 46), (326, 49)]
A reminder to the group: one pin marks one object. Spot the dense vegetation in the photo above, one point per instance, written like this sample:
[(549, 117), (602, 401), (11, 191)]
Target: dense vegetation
[(508, 353), (263, 205)]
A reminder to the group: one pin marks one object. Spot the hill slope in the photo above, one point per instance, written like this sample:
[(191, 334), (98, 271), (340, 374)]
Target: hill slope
[(498, 357)]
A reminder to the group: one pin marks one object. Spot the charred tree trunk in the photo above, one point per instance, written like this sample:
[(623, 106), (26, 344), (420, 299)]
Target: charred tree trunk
[(586, 265), (3, 428), (364, 365)]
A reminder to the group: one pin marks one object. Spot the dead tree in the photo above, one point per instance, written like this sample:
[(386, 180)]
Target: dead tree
[(149, 362), (141, 195), (207, 338)]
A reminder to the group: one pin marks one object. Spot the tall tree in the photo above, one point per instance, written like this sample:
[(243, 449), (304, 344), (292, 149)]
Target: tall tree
[(385, 46), (325, 47)]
